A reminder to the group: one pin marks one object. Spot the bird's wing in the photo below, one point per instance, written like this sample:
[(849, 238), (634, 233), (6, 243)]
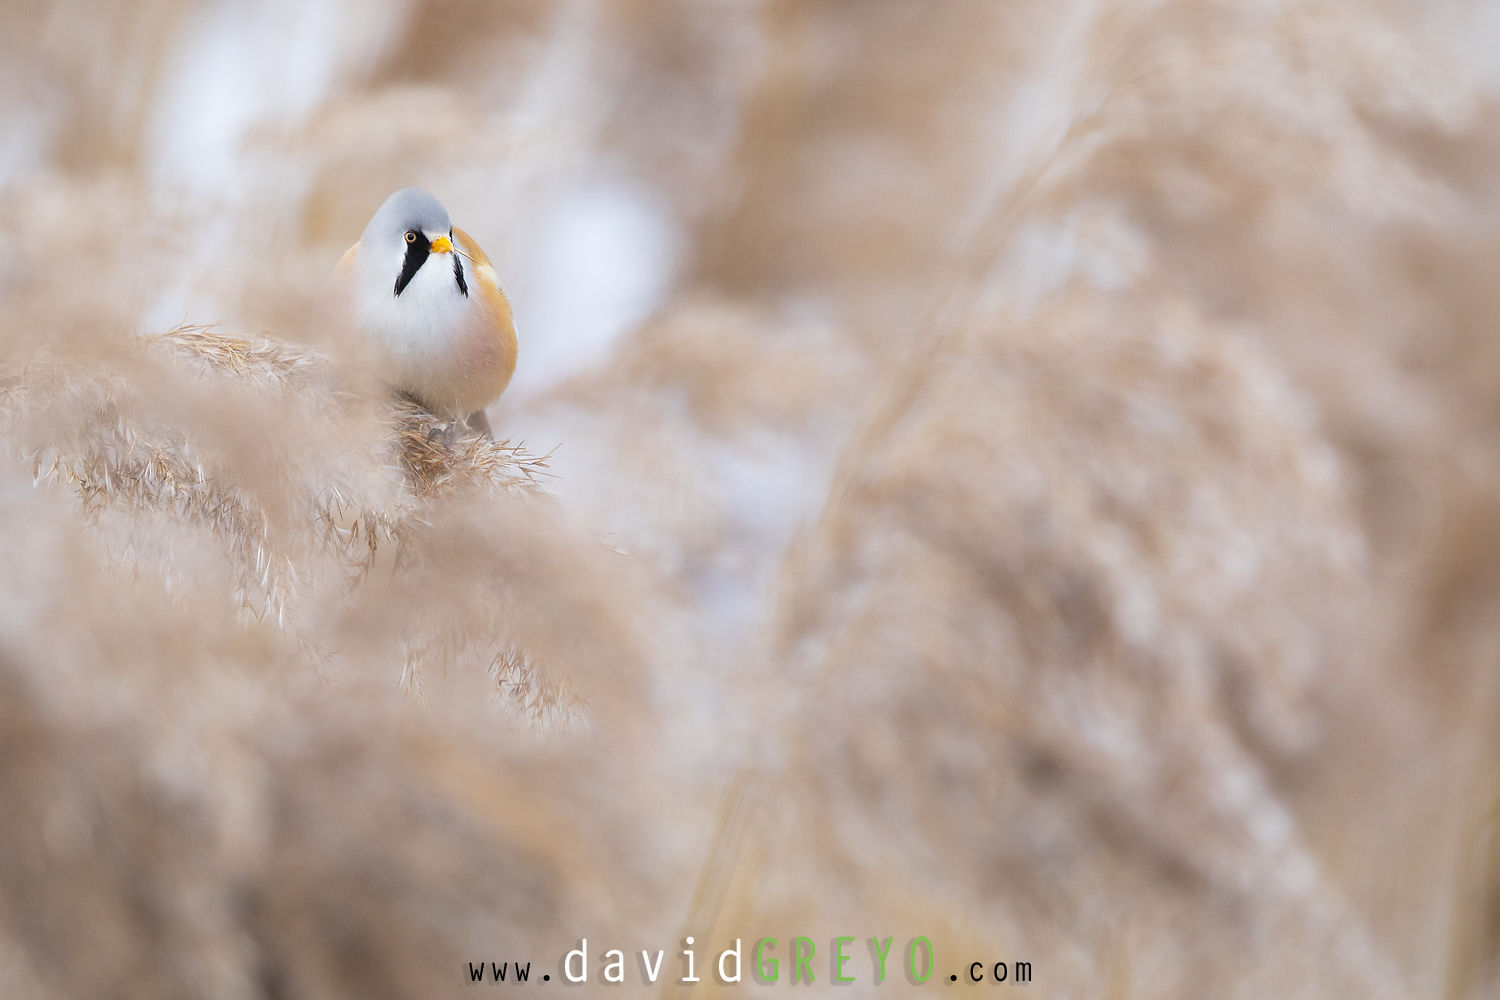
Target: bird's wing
[(484, 273), (347, 261), (502, 323), (478, 256)]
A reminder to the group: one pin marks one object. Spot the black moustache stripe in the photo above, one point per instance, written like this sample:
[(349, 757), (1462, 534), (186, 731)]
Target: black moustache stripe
[(416, 255), (458, 275)]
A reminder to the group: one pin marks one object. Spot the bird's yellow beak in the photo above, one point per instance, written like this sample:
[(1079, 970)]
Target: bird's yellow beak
[(442, 245)]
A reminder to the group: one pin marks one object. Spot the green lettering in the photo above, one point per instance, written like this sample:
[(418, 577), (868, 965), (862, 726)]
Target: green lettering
[(880, 954), (911, 960), (802, 953), (760, 963), (840, 956)]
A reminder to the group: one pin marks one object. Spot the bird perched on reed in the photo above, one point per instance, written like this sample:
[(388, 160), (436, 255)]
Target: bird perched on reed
[(428, 300)]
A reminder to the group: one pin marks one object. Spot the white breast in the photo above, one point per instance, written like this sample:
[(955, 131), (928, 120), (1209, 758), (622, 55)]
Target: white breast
[(421, 335)]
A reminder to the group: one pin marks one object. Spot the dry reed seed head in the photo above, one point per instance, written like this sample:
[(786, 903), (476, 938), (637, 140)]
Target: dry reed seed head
[(440, 456), (247, 858), (246, 814), (254, 445), (1116, 633)]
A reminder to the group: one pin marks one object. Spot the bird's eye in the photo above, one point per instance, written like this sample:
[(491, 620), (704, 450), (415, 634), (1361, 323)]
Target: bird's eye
[(411, 237)]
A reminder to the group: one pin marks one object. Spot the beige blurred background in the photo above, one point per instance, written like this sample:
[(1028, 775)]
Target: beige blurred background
[(1023, 473)]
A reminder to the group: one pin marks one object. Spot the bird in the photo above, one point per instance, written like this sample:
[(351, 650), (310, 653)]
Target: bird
[(427, 302)]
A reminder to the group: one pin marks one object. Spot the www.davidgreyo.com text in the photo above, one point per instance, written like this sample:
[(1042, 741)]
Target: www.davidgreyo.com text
[(800, 961)]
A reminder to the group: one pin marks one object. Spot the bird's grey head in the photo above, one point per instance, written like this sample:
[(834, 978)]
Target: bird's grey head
[(411, 226), (410, 209)]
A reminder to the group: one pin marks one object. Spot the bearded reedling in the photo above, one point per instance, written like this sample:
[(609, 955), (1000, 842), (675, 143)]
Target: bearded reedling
[(427, 298)]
